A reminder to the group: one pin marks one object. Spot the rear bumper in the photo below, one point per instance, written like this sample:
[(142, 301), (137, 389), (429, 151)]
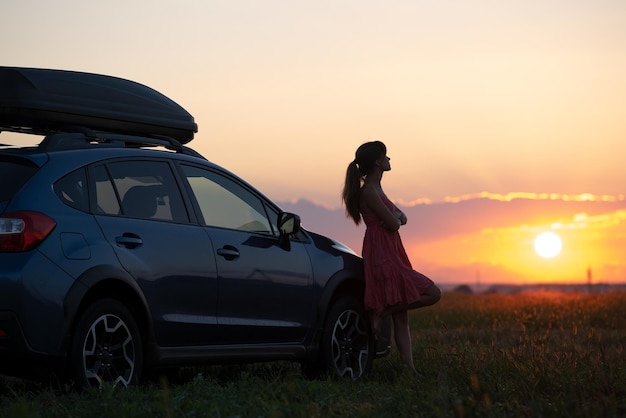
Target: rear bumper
[(12, 340), (17, 358)]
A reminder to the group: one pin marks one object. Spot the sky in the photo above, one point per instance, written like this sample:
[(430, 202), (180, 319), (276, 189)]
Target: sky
[(476, 100)]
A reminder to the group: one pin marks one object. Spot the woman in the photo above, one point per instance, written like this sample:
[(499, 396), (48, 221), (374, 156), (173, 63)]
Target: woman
[(392, 287)]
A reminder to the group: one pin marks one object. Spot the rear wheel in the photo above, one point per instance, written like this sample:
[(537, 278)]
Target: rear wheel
[(347, 348), (106, 346)]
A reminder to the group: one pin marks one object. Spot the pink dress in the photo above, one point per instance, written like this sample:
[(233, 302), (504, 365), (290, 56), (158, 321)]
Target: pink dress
[(389, 278)]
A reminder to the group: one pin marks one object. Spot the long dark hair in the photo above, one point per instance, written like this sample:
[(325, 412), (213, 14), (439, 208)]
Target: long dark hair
[(364, 162)]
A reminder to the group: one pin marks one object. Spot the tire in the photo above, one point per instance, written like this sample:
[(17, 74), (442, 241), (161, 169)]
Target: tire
[(347, 348), (106, 347)]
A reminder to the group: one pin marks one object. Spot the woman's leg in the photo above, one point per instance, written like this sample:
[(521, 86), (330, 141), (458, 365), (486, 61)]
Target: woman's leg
[(402, 336), (377, 321), (430, 297)]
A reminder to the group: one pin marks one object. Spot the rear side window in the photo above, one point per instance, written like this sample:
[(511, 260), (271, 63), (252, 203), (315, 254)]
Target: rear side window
[(139, 189), (72, 190), (19, 170)]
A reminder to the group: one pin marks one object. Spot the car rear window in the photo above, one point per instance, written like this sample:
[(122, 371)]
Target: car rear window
[(19, 170)]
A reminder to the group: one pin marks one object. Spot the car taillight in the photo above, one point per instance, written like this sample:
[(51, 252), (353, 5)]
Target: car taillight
[(23, 231)]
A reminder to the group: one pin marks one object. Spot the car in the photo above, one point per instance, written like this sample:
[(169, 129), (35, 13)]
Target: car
[(123, 251)]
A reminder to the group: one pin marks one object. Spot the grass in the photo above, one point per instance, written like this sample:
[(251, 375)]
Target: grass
[(533, 354)]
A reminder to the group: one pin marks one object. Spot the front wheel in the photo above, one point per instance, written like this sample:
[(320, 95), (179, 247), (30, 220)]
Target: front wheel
[(106, 346), (347, 349)]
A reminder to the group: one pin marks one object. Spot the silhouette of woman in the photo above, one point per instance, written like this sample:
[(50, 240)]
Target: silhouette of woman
[(392, 287)]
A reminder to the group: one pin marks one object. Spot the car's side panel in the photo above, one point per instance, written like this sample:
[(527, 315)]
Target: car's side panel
[(265, 292), (175, 268)]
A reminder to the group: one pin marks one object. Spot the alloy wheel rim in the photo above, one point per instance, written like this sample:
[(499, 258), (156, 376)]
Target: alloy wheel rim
[(108, 352), (350, 345)]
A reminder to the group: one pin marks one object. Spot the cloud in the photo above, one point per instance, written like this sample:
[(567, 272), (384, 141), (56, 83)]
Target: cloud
[(508, 197)]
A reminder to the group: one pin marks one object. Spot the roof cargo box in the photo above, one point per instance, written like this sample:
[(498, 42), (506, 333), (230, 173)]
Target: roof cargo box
[(46, 101)]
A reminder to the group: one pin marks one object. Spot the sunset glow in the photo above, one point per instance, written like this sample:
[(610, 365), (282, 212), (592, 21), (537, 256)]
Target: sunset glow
[(509, 253)]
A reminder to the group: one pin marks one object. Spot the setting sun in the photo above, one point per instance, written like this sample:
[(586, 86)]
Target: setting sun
[(548, 244)]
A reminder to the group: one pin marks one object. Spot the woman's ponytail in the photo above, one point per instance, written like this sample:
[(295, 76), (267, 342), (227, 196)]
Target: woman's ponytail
[(351, 192)]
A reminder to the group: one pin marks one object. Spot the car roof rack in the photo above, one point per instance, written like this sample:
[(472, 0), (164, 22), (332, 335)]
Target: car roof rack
[(85, 138)]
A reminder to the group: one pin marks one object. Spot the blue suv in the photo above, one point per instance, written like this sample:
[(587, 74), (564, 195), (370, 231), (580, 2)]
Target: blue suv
[(122, 250)]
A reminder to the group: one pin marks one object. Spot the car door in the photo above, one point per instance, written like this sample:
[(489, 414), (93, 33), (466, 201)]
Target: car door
[(141, 212), (265, 291)]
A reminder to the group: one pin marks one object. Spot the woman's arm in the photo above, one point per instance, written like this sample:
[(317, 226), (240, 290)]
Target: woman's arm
[(400, 215), (372, 201)]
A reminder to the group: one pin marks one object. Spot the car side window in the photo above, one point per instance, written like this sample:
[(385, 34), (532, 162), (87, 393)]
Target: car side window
[(107, 201), (225, 203), (139, 189), (72, 190)]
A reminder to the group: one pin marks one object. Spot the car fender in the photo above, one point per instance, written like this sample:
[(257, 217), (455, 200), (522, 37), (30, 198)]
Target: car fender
[(343, 282), (112, 277)]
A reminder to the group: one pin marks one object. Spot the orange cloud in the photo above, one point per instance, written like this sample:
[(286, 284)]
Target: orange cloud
[(583, 197)]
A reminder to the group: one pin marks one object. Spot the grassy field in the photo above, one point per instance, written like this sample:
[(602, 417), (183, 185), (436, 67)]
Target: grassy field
[(528, 355)]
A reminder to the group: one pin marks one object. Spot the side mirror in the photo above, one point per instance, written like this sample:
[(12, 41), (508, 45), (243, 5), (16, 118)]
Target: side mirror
[(288, 224)]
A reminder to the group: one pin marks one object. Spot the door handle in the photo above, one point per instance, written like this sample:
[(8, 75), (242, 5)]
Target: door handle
[(228, 252), (129, 240)]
